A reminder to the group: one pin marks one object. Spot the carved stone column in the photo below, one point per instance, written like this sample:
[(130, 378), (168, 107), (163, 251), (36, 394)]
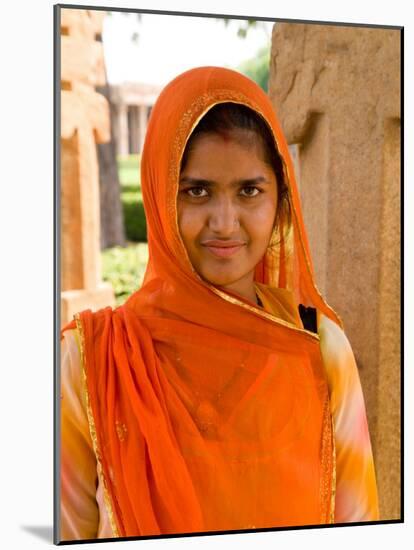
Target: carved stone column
[(84, 122)]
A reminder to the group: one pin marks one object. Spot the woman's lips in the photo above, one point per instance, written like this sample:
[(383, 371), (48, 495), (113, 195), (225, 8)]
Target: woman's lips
[(225, 249)]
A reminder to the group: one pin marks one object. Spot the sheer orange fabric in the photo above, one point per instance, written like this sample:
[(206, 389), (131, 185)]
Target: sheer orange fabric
[(206, 411)]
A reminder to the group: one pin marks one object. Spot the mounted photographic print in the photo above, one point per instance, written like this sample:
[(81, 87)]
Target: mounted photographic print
[(228, 289)]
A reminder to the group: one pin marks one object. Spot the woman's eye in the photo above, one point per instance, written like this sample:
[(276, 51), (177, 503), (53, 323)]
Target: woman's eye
[(196, 192), (201, 192), (251, 191)]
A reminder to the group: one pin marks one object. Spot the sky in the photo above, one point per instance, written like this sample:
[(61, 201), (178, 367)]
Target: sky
[(168, 45)]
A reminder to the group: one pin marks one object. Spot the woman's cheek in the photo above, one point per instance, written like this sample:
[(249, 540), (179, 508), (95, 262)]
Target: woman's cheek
[(261, 222), (189, 223)]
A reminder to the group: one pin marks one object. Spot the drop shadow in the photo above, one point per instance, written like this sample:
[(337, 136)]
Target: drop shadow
[(44, 532)]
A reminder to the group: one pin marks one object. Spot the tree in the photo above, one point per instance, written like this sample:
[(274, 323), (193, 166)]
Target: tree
[(257, 68), (112, 218)]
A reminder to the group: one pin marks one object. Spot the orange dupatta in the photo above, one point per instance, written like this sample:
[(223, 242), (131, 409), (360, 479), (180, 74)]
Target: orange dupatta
[(208, 413)]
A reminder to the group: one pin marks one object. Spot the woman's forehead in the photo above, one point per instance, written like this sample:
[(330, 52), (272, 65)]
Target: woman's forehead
[(247, 144)]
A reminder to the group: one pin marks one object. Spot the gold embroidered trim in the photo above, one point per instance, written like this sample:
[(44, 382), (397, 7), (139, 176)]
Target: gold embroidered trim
[(188, 122), (263, 313), (333, 489), (327, 466), (92, 429)]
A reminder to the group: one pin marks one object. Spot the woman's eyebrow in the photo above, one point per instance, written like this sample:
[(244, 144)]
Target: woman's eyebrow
[(201, 181)]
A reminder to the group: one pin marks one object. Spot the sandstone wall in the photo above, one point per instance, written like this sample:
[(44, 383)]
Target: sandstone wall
[(337, 93)]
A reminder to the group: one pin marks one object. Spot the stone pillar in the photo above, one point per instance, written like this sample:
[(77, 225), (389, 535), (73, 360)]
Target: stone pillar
[(137, 133), (337, 93), (142, 125), (122, 142), (133, 129), (84, 122)]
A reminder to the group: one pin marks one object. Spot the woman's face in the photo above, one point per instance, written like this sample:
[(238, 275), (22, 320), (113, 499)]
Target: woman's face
[(226, 205)]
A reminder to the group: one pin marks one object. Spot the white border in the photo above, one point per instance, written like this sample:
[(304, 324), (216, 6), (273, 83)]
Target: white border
[(26, 273)]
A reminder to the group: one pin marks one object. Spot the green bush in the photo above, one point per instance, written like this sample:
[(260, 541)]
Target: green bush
[(131, 198), (134, 215), (124, 268)]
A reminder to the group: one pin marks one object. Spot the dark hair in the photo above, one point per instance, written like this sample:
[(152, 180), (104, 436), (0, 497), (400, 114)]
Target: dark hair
[(225, 118)]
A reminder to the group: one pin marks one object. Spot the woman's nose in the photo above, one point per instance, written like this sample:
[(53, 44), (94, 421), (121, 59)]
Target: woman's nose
[(224, 217)]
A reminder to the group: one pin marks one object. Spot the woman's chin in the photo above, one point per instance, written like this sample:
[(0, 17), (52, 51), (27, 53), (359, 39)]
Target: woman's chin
[(222, 279)]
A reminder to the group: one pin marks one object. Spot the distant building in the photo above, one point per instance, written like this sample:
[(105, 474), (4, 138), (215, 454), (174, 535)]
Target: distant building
[(132, 102)]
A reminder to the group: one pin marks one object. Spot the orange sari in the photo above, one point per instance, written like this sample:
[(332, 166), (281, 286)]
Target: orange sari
[(207, 412)]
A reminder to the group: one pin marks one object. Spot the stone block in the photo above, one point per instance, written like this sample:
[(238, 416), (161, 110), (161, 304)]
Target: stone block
[(73, 301)]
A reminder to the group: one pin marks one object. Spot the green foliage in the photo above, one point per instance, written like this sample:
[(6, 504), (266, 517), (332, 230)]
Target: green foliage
[(131, 197), (257, 68), (134, 215), (128, 169), (124, 268), (242, 31)]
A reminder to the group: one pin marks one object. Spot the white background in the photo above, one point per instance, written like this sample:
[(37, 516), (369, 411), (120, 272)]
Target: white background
[(26, 272)]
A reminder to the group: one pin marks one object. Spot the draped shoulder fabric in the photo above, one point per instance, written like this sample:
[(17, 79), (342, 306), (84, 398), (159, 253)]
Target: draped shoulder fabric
[(206, 411), (84, 514)]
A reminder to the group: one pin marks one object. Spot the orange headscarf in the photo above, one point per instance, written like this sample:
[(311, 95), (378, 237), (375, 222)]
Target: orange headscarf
[(206, 411)]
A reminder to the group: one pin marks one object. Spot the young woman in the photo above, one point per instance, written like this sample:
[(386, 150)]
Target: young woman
[(223, 394)]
